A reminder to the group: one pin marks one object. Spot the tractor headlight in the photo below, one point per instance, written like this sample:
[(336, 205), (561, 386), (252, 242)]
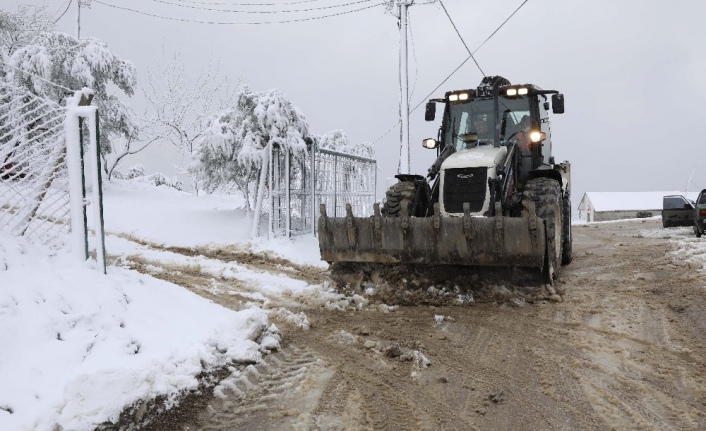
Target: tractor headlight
[(460, 96), (430, 143), (522, 91), (512, 91), (536, 136)]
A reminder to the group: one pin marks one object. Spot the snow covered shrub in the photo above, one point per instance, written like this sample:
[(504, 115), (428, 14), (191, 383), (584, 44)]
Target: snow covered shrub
[(135, 172), (158, 179)]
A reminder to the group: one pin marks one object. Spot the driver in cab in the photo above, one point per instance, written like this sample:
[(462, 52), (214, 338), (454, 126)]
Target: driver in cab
[(481, 133), (482, 128)]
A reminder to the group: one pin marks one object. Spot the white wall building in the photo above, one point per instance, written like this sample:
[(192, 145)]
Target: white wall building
[(603, 206)]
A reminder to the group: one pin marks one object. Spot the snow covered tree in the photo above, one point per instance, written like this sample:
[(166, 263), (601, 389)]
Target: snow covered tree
[(235, 148), (32, 50), (177, 110), (23, 27), (336, 140)]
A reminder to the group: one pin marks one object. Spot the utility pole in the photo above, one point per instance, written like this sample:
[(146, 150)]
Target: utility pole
[(80, 4), (78, 19), (404, 168)]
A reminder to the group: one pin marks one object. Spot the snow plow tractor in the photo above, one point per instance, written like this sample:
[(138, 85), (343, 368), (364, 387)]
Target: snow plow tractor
[(494, 197)]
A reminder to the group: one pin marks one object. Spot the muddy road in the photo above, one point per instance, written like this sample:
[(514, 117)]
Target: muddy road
[(623, 348)]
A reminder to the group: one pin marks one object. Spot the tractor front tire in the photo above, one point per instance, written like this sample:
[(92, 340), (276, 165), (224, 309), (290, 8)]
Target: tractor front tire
[(398, 196), (547, 197)]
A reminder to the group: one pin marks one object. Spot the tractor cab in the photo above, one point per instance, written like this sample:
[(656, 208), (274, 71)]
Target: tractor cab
[(498, 114)]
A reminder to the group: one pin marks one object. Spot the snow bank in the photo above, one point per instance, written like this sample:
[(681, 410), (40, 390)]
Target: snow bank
[(687, 250), (78, 346), (169, 217)]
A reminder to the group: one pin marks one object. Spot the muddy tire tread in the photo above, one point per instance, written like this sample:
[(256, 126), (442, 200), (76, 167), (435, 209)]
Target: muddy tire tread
[(398, 196), (567, 241)]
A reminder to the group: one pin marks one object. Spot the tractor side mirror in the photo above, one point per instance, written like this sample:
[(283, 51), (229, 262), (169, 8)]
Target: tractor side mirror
[(558, 103), (430, 111)]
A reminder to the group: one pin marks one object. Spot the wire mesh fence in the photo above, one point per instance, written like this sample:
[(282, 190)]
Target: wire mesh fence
[(336, 180), (34, 197), (345, 179)]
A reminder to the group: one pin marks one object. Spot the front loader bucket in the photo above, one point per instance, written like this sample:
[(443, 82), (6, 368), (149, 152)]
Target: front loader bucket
[(464, 240)]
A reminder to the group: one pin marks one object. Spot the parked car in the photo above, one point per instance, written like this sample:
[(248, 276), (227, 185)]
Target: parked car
[(677, 211), (700, 214)]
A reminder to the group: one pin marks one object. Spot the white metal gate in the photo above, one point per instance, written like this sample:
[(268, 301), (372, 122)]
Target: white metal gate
[(336, 180)]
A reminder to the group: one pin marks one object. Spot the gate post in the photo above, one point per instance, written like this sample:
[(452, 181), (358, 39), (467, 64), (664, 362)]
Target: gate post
[(94, 149), (287, 193), (271, 170), (335, 184), (312, 165), (76, 192)]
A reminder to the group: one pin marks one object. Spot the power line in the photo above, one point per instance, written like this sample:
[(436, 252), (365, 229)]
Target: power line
[(64, 13), (460, 37), (247, 4), (442, 83), (38, 77), (252, 11), (455, 70), (236, 23), (501, 25), (470, 56)]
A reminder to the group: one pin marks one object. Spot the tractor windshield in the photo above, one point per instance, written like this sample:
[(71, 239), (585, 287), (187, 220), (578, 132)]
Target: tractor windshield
[(477, 117)]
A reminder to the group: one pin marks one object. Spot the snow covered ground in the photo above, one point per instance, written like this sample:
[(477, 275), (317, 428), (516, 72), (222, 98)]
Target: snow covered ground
[(78, 346), (174, 218)]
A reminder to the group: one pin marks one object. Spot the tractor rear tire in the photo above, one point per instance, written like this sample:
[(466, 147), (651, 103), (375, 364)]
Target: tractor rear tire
[(567, 246), (546, 195), (398, 196)]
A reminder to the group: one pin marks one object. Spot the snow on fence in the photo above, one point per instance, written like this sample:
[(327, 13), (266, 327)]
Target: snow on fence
[(336, 180), (42, 185), (34, 195)]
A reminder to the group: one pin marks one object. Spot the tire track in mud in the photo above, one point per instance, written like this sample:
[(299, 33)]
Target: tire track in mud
[(364, 391), (479, 380), (266, 396), (507, 368), (575, 365), (624, 350), (626, 360)]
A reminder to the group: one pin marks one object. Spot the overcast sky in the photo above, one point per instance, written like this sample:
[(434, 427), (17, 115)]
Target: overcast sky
[(631, 71)]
